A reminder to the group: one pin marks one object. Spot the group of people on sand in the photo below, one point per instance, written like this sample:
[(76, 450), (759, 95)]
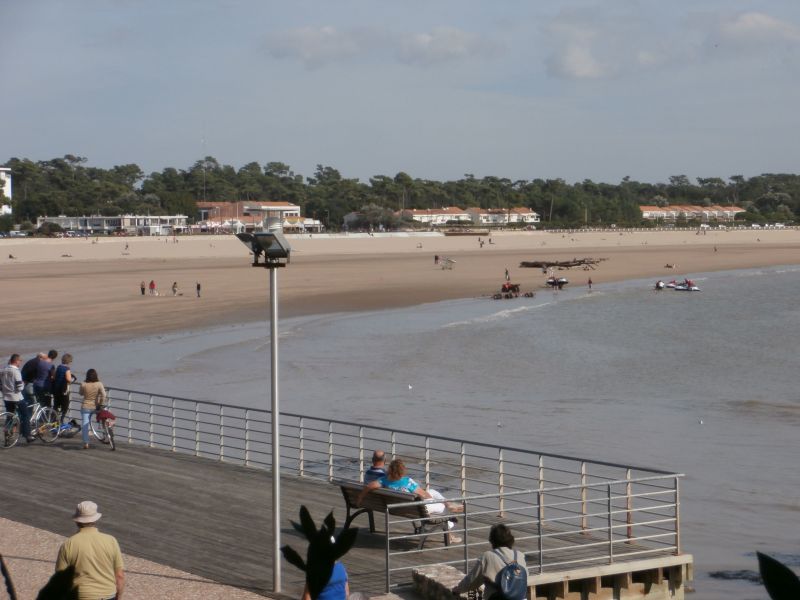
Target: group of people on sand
[(41, 382), (484, 570), (143, 287)]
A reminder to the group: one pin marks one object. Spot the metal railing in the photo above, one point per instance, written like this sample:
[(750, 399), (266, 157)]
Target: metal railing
[(565, 511)]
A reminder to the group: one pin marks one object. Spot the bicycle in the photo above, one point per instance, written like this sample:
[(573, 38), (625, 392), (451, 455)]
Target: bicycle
[(44, 422), (102, 427)]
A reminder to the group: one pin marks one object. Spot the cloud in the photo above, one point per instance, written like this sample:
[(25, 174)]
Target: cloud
[(319, 46), (753, 28), (443, 44)]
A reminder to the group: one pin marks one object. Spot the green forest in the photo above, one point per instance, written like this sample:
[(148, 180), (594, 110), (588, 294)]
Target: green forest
[(69, 186)]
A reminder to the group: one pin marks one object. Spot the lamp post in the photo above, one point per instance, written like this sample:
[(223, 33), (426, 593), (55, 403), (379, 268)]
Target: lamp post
[(275, 250)]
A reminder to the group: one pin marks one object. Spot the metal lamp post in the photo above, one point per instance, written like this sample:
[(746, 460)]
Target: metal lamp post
[(275, 250)]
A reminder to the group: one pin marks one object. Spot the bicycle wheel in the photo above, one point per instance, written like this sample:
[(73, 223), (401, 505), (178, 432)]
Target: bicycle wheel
[(97, 429), (109, 432), (48, 425), (10, 436)]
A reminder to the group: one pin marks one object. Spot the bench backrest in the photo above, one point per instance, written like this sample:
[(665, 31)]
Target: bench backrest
[(381, 498)]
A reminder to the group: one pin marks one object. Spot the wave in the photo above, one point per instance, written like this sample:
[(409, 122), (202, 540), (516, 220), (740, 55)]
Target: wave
[(500, 315)]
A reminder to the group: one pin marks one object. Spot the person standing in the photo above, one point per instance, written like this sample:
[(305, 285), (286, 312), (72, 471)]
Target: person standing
[(43, 384), (143, 286), (508, 277), (485, 569), (152, 287), (378, 468), (96, 557), (62, 378), (28, 377), (94, 395), (197, 286), (174, 288), (11, 385), (589, 283)]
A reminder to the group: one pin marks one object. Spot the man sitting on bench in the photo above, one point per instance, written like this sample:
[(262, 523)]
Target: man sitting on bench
[(396, 479), (378, 468)]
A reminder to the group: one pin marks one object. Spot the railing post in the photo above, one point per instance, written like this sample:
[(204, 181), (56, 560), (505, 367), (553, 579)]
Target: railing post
[(501, 483), (174, 430), (427, 462), (247, 438), (677, 517), (540, 527), (394, 445), (361, 453), (388, 554), (463, 469), (330, 451), (197, 429), (466, 537), (541, 486), (584, 524), (130, 418), (221, 433), (610, 527), (302, 448), (629, 503), (152, 423)]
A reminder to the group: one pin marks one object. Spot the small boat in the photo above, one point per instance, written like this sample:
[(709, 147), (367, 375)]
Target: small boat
[(659, 286), (687, 285), (672, 284), (557, 282)]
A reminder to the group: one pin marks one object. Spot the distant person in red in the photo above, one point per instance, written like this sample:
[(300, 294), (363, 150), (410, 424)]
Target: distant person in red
[(590, 283), (152, 288)]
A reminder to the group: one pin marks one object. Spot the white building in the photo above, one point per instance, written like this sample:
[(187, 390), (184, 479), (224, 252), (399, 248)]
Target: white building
[(437, 217), (5, 185), (500, 217), (689, 212), (127, 224)]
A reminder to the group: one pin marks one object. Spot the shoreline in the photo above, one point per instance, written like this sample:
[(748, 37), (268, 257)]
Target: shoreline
[(93, 294)]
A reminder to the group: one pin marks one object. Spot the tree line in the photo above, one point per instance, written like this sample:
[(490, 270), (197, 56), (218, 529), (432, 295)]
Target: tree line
[(69, 186)]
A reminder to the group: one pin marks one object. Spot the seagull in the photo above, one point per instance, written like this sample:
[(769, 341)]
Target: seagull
[(410, 386), (700, 421), (499, 424)]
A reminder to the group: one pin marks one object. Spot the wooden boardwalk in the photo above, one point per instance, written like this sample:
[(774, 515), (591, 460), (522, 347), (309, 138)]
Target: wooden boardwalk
[(204, 517), (207, 518)]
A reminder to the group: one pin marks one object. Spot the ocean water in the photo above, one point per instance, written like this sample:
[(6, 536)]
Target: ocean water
[(699, 383)]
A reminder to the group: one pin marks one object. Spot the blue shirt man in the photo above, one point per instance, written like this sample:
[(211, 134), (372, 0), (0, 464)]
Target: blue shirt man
[(378, 468)]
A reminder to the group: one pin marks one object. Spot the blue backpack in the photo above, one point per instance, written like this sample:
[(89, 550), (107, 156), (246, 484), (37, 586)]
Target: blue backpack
[(512, 580)]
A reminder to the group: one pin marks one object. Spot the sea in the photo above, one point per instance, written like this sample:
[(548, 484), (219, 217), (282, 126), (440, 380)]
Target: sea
[(701, 383)]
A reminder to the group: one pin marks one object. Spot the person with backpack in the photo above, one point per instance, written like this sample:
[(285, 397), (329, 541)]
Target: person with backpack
[(502, 570)]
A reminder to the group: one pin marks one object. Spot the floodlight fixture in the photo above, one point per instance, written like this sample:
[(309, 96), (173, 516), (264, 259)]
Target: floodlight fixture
[(272, 245)]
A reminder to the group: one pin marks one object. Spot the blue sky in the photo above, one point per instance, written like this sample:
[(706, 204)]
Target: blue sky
[(520, 89)]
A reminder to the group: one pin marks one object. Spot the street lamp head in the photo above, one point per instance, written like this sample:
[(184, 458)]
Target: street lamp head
[(272, 245)]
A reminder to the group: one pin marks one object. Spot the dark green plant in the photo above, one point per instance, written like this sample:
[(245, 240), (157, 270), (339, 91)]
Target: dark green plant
[(780, 581), (324, 549)]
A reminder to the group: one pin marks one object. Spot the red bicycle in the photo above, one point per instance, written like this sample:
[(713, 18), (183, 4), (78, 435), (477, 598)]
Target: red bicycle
[(103, 426)]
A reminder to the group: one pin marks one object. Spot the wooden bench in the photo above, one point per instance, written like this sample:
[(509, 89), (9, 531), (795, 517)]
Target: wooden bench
[(381, 499)]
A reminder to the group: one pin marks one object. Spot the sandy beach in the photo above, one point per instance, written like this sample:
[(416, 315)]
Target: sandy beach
[(79, 287)]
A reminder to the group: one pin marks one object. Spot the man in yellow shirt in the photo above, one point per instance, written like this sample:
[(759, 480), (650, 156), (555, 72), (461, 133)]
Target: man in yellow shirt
[(99, 573)]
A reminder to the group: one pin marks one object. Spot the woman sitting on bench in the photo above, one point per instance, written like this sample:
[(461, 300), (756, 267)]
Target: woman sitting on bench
[(396, 479)]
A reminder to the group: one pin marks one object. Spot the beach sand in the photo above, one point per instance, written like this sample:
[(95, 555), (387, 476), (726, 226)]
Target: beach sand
[(90, 290)]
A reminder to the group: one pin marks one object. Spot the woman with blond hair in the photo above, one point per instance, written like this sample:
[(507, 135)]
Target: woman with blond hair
[(94, 396)]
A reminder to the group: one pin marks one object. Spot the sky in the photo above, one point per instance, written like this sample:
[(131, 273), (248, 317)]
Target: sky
[(572, 89)]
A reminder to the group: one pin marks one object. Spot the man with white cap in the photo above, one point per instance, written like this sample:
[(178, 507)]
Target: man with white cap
[(99, 573)]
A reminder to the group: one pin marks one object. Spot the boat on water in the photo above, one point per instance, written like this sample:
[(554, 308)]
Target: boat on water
[(687, 285), (557, 282)]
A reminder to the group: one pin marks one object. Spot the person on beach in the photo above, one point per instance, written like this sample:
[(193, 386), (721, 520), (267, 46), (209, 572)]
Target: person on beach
[(396, 479), (62, 378), (174, 288), (43, 384), (143, 286), (152, 287), (11, 386), (378, 468), (94, 396), (589, 283), (508, 277), (96, 557), (197, 286), (485, 569)]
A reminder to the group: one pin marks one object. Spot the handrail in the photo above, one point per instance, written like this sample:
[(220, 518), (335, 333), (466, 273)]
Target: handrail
[(621, 511)]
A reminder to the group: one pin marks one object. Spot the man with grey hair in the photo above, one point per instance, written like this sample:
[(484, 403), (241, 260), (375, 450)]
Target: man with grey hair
[(11, 388), (99, 572), (378, 468)]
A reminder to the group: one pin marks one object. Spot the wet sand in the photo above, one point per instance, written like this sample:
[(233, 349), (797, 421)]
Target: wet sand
[(77, 288)]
